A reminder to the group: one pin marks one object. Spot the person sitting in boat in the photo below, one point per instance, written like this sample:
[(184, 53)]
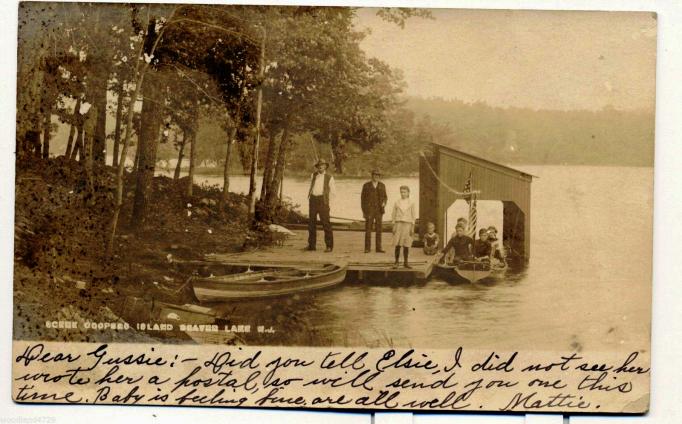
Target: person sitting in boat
[(460, 246), (482, 247), (464, 223), (496, 248), (431, 239)]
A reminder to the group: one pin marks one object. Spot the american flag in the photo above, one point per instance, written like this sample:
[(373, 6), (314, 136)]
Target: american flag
[(471, 200)]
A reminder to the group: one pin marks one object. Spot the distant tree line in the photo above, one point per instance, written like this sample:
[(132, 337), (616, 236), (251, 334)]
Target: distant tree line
[(525, 136)]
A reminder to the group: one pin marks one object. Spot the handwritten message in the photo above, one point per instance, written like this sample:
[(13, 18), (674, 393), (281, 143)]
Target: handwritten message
[(392, 379)]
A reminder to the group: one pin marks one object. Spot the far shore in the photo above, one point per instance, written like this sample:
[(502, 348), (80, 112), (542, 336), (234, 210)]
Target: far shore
[(217, 171)]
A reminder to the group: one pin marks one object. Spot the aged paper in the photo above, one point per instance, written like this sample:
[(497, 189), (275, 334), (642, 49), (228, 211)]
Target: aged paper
[(347, 208), (402, 379)]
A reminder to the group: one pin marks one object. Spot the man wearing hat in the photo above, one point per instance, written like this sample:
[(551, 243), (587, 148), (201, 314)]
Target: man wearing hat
[(322, 189), (373, 203)]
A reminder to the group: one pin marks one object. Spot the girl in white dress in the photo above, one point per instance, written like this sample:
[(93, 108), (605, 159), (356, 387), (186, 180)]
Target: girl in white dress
[(404, 214)]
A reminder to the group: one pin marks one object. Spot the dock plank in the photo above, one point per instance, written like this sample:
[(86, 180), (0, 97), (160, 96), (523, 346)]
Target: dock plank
[(348, 248)]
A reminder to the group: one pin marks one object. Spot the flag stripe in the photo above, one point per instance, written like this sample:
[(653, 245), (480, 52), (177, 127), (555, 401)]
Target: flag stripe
[(471, 201), (472, 218)]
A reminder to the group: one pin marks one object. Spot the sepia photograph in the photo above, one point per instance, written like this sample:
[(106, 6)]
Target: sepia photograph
[(316, 177)]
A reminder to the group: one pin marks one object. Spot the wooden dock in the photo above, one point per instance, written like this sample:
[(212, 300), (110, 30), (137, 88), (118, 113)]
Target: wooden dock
[(348, 248)]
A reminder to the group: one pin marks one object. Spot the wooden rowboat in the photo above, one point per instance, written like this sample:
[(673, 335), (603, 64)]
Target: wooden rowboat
[(471, 271), (268, 283)]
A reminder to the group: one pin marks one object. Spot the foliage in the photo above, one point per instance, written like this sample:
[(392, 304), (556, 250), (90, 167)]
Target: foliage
[(398, 15), (205, 68)]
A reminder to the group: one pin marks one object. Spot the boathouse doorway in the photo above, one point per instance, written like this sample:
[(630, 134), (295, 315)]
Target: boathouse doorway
[(488, 212), (506, 216)]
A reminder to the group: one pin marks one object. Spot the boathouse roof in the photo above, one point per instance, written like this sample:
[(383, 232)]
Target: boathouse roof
[(482, 162)]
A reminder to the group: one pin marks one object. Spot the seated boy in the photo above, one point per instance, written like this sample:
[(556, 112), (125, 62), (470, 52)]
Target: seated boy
[(459, 246), (431, 239), (496, 249), (482, 247)]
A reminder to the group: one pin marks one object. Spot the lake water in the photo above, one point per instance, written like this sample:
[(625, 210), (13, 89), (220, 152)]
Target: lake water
[(296, 191), (588, 284)]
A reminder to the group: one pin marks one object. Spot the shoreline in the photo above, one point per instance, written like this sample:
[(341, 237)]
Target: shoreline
[(60, 254), (218, 172)]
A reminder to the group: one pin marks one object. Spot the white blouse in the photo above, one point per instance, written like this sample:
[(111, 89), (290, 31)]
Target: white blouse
[(404, 210)]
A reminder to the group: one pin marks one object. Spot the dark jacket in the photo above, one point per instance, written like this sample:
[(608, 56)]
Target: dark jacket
[(373, 199), (463, 246), (482, 248)]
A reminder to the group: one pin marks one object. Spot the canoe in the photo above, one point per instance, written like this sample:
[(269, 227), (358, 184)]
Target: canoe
[(269, 283)]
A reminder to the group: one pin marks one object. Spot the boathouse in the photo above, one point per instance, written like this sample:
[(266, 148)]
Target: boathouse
[(503, 199)]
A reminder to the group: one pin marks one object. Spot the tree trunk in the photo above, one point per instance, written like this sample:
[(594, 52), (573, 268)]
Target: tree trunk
[(176, 174), (252, 175), (268, 166), (119, 118), (99, 140), (77, 151), (89, 137), (236, 122), (47, 121), (139, 75), (192, 162), (338, 153), (256, 142), (244, 156), (69, 144), (136, 158), (72, 130), (124, 154), (32, 138), (273, 191), (228, 155), (148, 141), (31, 79)]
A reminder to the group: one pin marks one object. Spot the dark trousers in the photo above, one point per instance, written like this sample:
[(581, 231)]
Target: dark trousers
[(317, 206), (373, 220)]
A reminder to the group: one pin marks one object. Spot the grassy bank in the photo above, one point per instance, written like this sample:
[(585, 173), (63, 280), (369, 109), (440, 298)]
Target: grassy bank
[(61, 271)]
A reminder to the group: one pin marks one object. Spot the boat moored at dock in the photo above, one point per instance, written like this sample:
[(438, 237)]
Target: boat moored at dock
[(268, 283)]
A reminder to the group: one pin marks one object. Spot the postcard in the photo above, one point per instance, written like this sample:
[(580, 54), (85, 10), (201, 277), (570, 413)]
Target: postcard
[(334, 207)]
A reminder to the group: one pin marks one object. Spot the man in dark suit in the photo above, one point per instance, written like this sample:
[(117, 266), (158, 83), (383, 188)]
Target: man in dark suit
[(321, 192), (373, 203)]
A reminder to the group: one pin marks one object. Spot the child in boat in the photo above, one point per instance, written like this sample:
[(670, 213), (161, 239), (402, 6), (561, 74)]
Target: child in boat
[(482, 247), (459, 247), (464, 223), (495, 247), (431, 239)]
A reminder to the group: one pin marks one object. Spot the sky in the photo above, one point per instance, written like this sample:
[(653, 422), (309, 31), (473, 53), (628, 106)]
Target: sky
[(536, 59)]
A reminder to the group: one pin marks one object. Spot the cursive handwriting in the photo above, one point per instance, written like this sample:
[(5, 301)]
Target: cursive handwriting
[(401, 379), (535, 401)]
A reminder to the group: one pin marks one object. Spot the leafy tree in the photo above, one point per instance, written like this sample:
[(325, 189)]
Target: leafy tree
[(321, 82), (218, 41)]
